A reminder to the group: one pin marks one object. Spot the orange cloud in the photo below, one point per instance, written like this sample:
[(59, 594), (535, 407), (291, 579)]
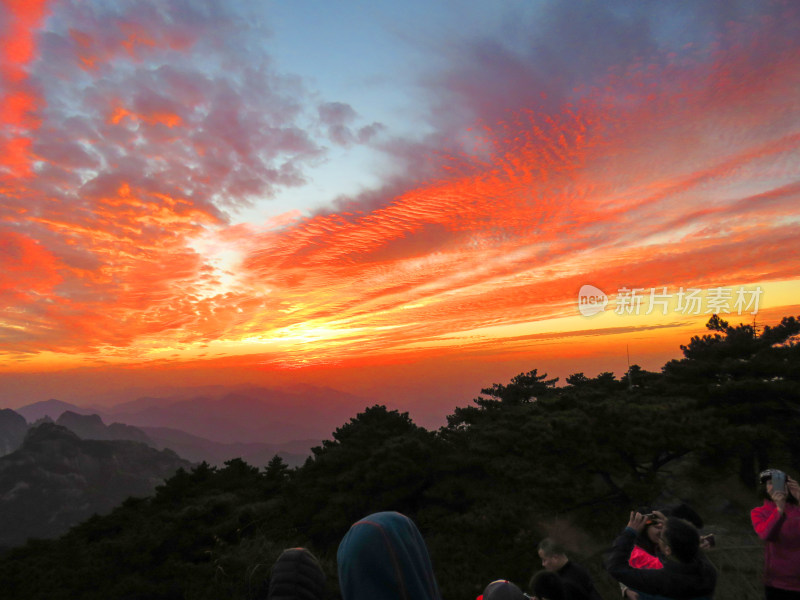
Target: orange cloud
[(169, 119), (135, 40)]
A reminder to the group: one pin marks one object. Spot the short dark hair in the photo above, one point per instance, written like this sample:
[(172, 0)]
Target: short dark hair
[(547, 584), (686, 512), (682, 538), (551, 547)]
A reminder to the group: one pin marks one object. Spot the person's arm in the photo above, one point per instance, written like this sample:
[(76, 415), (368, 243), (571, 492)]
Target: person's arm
[(767, 520), (628, 593), (794, 488)]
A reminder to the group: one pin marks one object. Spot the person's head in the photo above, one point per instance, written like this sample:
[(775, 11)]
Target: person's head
[(687, 513), (383, 557), (502, 589), (296, 575), (552, 554), (766, 487), (680, 540), (546, 585), (648, 538)]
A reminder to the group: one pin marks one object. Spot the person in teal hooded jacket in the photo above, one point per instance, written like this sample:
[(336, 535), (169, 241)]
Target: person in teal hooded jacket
[(383, 557)]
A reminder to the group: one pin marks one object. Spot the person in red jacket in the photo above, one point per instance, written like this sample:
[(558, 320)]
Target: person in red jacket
[(777, 522), (645, 549)]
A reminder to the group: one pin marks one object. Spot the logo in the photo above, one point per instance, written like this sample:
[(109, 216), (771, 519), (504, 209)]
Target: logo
[(591, 300)]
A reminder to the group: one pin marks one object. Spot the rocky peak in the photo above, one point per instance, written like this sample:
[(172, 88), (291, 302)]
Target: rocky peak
[(13, 428)]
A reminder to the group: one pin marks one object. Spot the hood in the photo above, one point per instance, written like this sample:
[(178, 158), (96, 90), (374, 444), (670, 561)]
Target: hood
[(503, 590), (383, 557), (296, 575)]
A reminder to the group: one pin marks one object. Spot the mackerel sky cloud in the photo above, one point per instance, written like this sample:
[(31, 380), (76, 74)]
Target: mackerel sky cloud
[(293, 186)]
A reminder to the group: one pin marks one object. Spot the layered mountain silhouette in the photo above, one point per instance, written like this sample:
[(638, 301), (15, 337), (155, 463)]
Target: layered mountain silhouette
[(91, 427), (13, 428), (50, 408), (198, 449), (56, 479), (245, 413), (56, 474), (227, 414), (69, 464)]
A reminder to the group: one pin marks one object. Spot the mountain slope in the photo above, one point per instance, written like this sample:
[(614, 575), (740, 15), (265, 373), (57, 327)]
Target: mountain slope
[(13, 428), (198, 449), (55, 480)]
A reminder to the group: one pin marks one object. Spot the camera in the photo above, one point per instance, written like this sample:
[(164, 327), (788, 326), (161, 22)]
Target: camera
[(777, 477)]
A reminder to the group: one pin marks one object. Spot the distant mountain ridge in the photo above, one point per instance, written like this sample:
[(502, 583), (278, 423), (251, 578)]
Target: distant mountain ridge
[(91, 427), (199, 449), (247, 414), (218, 424), (228, 414), (55, 480), (49, 408)]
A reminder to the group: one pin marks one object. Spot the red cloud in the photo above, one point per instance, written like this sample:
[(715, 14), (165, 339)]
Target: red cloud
[(19, 103), (27, 270), (168, 119), (18, 48)]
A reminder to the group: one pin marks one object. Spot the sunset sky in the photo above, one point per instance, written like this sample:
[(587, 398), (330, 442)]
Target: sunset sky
[(401, 200)]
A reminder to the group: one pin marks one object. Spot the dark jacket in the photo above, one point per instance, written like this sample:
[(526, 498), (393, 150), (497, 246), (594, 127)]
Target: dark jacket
[(676, 580), (383, 557), (296, 575), (578, 584)]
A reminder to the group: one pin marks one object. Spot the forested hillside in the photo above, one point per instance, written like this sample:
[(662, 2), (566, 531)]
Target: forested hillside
[(526, 459)]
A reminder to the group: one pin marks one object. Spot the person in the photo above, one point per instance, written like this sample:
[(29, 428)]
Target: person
[(777, 522), (645, 547), (685, 573), (502, 589), (383, 557), (554, 558), (296, 575), (687, 513)]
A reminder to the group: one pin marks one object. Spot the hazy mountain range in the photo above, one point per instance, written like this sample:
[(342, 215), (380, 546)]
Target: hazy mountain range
[(60, 463), (56, 479), (13, 427), (227, 414)]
